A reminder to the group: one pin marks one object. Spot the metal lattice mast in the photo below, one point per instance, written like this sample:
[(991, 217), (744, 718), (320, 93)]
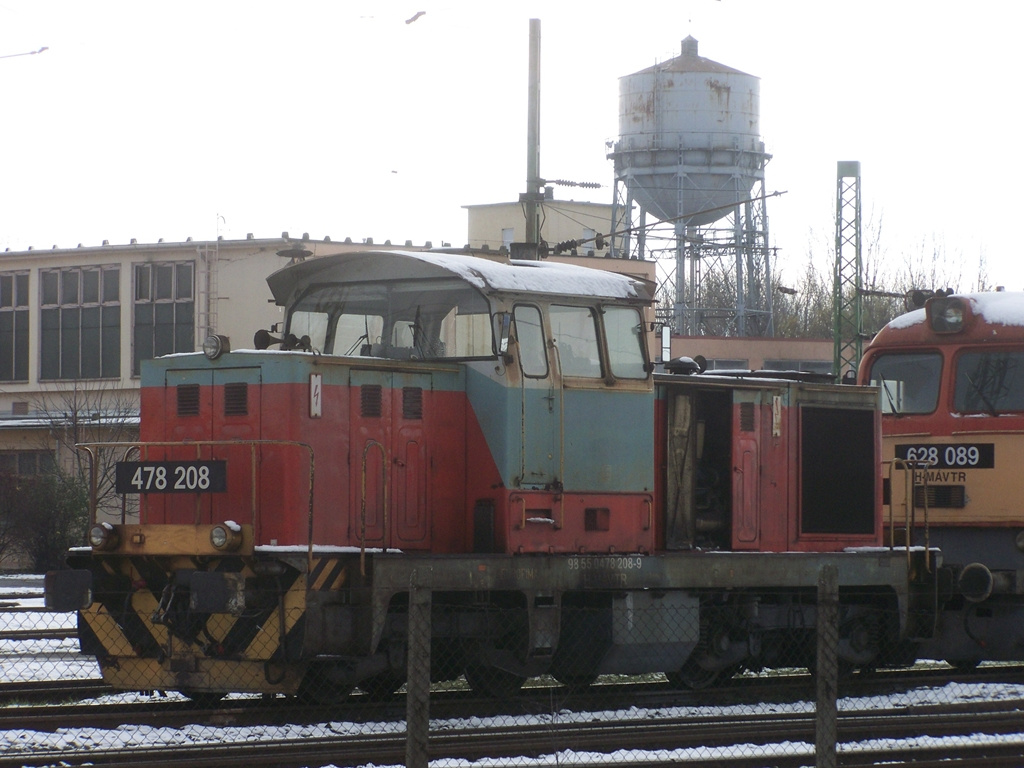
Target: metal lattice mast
[(847, 301)]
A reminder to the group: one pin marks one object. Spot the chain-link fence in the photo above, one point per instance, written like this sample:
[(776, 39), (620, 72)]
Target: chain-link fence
[(783, 676)]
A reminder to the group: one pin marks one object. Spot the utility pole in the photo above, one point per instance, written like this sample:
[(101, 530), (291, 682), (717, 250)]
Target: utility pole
[(534, 194), (847, 294)]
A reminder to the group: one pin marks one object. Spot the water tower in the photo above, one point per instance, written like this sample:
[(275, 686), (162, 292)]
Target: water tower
[(690, 155)]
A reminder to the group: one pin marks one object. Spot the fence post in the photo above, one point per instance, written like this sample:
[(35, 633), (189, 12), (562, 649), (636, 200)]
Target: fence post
[(827, 668), (417, 687)]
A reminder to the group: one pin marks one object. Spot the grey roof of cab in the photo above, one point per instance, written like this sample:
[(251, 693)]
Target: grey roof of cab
[(489, 276)]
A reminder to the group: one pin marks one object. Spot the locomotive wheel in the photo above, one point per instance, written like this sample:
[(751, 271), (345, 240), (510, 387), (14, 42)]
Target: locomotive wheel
[(381, 686), (493, 682), (576, 683), (324, 693), (204, 699), (964, 666), (316, 688), (844, 668), (694, 676)]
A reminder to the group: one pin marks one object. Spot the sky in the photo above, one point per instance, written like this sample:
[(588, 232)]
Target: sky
[(383, 119)]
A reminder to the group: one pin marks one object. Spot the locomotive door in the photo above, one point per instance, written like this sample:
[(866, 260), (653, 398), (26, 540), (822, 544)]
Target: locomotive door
[(222, 404), (212, 405), (389, 461), (747, 472), (683, 448), (541, 403)]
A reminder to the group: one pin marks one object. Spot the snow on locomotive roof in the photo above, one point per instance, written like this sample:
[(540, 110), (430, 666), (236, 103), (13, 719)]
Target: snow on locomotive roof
[(1005, 307), (914, 317), (1002, 307), (487, 275)]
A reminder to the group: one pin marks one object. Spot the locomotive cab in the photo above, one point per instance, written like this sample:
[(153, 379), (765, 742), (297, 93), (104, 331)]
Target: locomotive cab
[(951, 379)]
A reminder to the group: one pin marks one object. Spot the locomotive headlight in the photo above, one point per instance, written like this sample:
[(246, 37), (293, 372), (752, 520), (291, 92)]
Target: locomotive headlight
[(946, 315), (103, 536), (216, 345), (226, 537)]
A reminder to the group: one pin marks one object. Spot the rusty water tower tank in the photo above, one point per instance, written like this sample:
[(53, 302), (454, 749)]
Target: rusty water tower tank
[(689, 137)]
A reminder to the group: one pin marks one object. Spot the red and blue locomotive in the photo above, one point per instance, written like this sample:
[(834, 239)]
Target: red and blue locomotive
[(492, 431)]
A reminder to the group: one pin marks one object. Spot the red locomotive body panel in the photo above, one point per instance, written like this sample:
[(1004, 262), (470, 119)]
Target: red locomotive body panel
[(767, 465), (390, 469)]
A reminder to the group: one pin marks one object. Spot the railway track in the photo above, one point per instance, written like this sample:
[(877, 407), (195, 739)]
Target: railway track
[(540, 699), (787, 740), (37, 699), (51, 691), (38, 634)]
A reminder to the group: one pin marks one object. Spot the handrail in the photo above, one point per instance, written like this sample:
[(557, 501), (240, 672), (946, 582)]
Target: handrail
[(909, 467), (143, 447)]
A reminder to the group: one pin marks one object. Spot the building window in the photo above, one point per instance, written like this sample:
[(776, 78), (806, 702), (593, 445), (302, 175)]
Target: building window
[(812, 366), (25, 463), (164, 310), (81, 323), (726, 364), (14, 326)]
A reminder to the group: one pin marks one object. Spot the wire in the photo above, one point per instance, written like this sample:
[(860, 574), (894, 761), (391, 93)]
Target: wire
[(26, 53), (569, 244)]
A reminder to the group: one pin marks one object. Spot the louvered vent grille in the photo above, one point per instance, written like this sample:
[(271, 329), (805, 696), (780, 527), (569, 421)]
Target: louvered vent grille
[(188, 399), (412, 403), (370, 398), (746, 417), (236, 398), (940, 496)]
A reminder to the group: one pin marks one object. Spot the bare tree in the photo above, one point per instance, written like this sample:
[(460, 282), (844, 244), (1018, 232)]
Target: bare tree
[(41, 516), (804, 309), (886, 282), (12, 519), (51, 511), (78, 414)]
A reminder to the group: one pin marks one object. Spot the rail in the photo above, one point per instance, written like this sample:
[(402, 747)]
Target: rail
[(93, 450)]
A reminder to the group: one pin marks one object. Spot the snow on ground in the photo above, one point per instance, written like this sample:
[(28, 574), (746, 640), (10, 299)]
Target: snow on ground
[(31, 660), (127, 736)]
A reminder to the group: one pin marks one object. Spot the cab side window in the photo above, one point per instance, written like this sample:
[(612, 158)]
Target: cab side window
[(530, 337), (625, 331)]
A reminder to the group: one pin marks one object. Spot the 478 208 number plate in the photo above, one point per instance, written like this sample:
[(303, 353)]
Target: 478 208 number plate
[(171, 477)]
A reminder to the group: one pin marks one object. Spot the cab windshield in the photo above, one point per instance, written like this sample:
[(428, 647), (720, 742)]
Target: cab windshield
[(909, 382), (989, 381), (414, 319)]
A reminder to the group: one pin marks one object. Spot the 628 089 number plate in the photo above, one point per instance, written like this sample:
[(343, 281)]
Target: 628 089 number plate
[(950, 455), (171, 476)]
